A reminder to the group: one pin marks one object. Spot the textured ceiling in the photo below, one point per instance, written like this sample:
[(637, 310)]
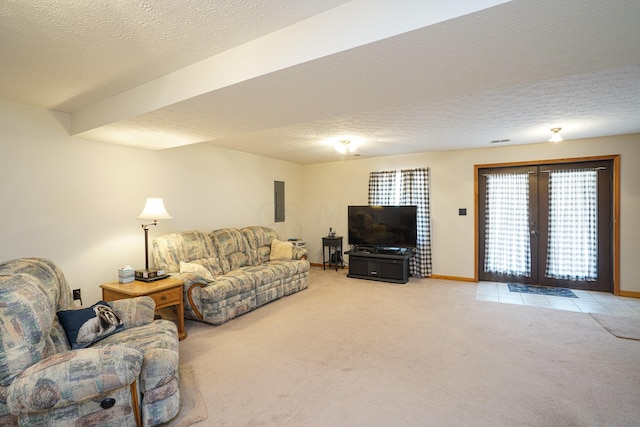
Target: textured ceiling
[(64, 54), (288, 78)]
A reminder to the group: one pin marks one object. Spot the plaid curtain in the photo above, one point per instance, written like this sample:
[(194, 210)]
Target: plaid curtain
[(572, 253), (507, 238), (382, 188), (415, 191)]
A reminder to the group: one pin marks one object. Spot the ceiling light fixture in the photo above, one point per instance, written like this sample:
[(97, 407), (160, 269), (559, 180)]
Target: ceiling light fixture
[(555, 135), (344, 146)]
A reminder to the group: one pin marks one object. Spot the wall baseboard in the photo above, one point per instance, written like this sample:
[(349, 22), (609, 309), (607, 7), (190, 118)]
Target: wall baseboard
[(630, 294), (456, 278), (319, 264), (433, 276)]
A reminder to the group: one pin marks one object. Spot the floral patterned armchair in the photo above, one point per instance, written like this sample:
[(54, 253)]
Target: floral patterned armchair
[(126, 379)]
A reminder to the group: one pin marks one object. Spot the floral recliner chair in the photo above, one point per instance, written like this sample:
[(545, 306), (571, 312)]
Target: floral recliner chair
[(128, 378)]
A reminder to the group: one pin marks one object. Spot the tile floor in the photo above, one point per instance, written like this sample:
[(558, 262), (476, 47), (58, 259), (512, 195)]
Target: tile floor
[(587, 301)]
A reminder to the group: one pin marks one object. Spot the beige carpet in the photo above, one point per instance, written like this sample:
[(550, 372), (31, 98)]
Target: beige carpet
[(621, 326), (192, 406), (349, 352)]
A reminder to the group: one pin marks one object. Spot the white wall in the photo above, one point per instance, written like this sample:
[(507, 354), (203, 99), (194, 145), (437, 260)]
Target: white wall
[(75, 201), (339, 184)]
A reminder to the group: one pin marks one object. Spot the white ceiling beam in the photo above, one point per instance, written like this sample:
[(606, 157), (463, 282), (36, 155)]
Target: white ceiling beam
[(345, 27)]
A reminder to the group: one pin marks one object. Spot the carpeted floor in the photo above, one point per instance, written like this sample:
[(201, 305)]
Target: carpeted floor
[(192, 405), (349, 352)]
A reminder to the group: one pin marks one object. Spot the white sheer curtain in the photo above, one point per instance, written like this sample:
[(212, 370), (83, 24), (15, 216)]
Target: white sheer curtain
[(573, 225), (507, 238)]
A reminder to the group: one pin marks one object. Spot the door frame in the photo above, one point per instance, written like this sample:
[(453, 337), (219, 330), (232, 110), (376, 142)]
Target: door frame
[(615, 158)]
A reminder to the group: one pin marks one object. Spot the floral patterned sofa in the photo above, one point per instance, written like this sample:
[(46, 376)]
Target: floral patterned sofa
[(231, 271), (128, 378)]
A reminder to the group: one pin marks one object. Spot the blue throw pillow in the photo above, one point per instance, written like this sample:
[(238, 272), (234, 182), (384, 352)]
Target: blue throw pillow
[(86, 326)]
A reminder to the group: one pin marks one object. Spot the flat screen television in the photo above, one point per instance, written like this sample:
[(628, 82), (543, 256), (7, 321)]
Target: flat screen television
[(383, 226)]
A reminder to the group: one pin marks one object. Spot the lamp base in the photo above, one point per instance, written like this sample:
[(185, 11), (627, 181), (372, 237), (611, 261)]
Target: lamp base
[(150, 274)]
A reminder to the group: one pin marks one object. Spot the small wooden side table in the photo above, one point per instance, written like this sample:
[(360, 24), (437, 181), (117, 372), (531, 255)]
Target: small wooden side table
[(334, 242), (165, 292)]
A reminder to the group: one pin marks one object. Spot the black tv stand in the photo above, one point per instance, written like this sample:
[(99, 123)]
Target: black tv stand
[(381, 264)]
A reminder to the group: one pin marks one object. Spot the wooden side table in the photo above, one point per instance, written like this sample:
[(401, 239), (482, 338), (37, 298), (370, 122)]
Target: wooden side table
[(165, 292), (334, 242)]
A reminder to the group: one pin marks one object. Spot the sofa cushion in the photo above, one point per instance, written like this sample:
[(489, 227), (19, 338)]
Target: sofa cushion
[(280, 250), (89, 325), (231, 284), (24, 329), (289, 268), (188, 246), (136, 311), (196, 268), (233, 250), (262, 274), (31, 291), (259, 239)]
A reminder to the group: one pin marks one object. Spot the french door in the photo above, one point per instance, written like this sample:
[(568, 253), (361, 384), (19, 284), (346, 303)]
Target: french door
[(547, 225)]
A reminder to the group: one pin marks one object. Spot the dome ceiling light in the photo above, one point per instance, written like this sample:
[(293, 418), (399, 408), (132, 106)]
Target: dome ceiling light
[(555, 135), (344, 146)]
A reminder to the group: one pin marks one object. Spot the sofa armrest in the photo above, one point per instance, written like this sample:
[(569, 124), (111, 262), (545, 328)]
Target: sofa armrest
[(191, 283), (189, 279), (299, 253), (134, 311), (68, 378), (160, 366)]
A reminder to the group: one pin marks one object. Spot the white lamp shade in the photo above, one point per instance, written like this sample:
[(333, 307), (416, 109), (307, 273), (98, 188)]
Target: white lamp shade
[(154, 210)]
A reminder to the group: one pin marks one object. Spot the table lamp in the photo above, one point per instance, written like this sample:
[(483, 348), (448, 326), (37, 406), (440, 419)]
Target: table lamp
[(153, 210)]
